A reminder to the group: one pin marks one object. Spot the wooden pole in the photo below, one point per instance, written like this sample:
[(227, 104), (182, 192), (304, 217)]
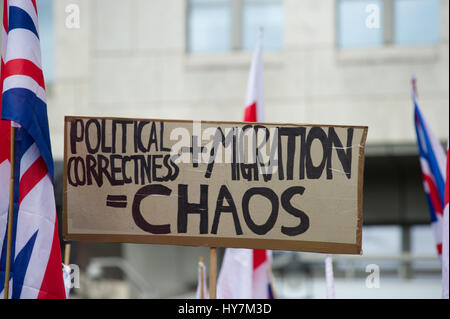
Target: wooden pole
[(10, 217), (202, 283), (212, 272), (67, 254)]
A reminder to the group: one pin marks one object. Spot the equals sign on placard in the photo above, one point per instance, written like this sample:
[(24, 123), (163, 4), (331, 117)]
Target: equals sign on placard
[(116, 201)]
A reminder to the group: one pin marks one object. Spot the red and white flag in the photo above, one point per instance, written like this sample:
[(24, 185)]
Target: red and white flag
[(36, 266), (254, 99), (202, 290), (245, 273), (445, 240)]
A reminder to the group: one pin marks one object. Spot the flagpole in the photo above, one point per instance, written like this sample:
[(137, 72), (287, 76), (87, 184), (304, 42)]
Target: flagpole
[(414, 85), (67, 254), (10, 216), (212, 272)]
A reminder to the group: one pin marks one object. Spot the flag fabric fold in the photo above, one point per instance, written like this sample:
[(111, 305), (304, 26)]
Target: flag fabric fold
[(36, 265)]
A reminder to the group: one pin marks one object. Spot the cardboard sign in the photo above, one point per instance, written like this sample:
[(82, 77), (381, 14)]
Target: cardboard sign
[(217, 184)]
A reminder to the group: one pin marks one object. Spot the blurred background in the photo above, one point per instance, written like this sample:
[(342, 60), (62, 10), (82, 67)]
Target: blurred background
[(345, 62)]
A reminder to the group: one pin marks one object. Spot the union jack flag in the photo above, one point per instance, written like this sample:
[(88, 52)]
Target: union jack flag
[(445, 241), (36, 267), (432, 162)]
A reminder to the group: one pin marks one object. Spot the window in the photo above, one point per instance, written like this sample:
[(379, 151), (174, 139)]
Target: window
[(45, 16), (381, 244), (268, 14), (417, 22), (209, 26), (374, 23), (352, 29), (226, 25), (423, 244)]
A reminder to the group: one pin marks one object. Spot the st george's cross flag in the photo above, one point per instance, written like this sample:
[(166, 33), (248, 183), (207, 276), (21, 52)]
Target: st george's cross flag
[(36, 266), (254, 99), (245, 273)]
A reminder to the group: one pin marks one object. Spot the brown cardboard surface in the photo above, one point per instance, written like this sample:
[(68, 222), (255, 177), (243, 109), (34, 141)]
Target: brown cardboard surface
[(330, 199)]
